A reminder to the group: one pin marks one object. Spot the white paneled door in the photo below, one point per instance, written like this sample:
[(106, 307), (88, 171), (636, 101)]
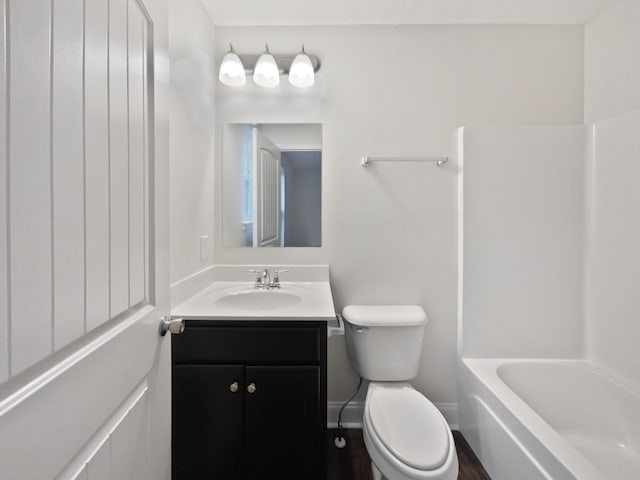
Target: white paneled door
[(266, 207), (84, 281)]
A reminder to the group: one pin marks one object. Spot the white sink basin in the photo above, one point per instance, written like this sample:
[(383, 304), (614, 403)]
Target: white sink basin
[(241, 301), (257, 300)]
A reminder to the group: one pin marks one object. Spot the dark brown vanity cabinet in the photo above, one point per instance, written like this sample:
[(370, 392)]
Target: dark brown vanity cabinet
[(249, 400)]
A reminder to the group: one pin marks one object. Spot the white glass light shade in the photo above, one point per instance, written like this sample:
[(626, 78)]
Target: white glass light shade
[(301, 72), (266, 72), (232, 71)]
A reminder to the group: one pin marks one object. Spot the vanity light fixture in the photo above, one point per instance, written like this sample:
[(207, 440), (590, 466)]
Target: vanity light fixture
[(266, 73), (301, 73), (267, 68), (232, 70)]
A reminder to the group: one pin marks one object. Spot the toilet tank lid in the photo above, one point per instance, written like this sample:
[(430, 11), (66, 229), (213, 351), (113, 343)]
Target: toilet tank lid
[(385, 315)]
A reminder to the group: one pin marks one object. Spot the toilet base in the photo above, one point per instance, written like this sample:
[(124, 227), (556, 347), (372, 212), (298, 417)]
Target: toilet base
[(377, 474)]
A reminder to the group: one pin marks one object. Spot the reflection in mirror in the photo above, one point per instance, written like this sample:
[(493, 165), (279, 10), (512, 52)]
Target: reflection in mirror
[(271, 185)]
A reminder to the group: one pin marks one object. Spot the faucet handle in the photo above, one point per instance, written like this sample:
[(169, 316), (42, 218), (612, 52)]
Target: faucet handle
[(276, 277), (258, 274)]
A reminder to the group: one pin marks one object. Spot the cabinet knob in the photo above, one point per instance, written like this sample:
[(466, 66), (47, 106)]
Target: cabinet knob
[(251, 388), (233, 387)]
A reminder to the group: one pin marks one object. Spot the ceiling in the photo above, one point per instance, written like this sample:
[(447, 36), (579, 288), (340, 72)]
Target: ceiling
[(402, 12)]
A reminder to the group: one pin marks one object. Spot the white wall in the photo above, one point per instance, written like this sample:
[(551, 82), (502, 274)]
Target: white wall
[(522, 208), (233, 141), (613, 311), (612, 104), (612, 63), (389, 232), (304, 136), (193, 81)]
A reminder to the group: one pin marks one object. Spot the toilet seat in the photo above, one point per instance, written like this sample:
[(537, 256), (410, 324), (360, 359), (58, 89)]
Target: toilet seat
[(410, 427), (407, 436)]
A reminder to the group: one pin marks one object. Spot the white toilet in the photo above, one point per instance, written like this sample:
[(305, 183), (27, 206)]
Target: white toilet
[(405, 434)]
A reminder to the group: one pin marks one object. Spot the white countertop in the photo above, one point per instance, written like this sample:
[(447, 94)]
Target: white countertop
[(310, 301)]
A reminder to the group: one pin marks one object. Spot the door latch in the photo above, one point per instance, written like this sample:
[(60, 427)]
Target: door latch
[(175, 326)]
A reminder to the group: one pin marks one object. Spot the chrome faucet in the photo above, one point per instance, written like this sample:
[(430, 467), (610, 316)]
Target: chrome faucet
[(263, 278)]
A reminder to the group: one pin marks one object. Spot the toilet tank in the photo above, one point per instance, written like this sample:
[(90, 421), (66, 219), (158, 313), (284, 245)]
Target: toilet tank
[(385, 341)]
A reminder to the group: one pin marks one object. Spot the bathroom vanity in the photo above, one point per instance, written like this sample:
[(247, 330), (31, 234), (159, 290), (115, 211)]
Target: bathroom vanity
[(249, 383), (249, 400)]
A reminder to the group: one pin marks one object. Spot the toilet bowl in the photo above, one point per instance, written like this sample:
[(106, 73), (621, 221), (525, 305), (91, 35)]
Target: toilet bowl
[(405, 434)]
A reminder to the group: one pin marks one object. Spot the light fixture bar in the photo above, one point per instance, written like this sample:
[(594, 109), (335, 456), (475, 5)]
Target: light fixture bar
[(283, 61)]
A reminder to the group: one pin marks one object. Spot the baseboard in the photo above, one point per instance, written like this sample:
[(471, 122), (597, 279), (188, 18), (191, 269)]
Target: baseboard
[(450, 412), (352, 415)]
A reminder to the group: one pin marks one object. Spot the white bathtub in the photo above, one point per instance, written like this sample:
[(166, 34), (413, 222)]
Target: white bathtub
[(549, 419)]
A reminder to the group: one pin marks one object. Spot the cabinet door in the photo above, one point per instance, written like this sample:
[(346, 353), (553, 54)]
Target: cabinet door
[(208, 422), (284, 429)]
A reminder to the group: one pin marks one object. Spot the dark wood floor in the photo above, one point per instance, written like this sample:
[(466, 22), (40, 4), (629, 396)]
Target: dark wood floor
[(352, 462)]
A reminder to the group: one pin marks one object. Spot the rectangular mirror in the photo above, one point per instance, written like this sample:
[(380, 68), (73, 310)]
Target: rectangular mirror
[(271, 184)]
